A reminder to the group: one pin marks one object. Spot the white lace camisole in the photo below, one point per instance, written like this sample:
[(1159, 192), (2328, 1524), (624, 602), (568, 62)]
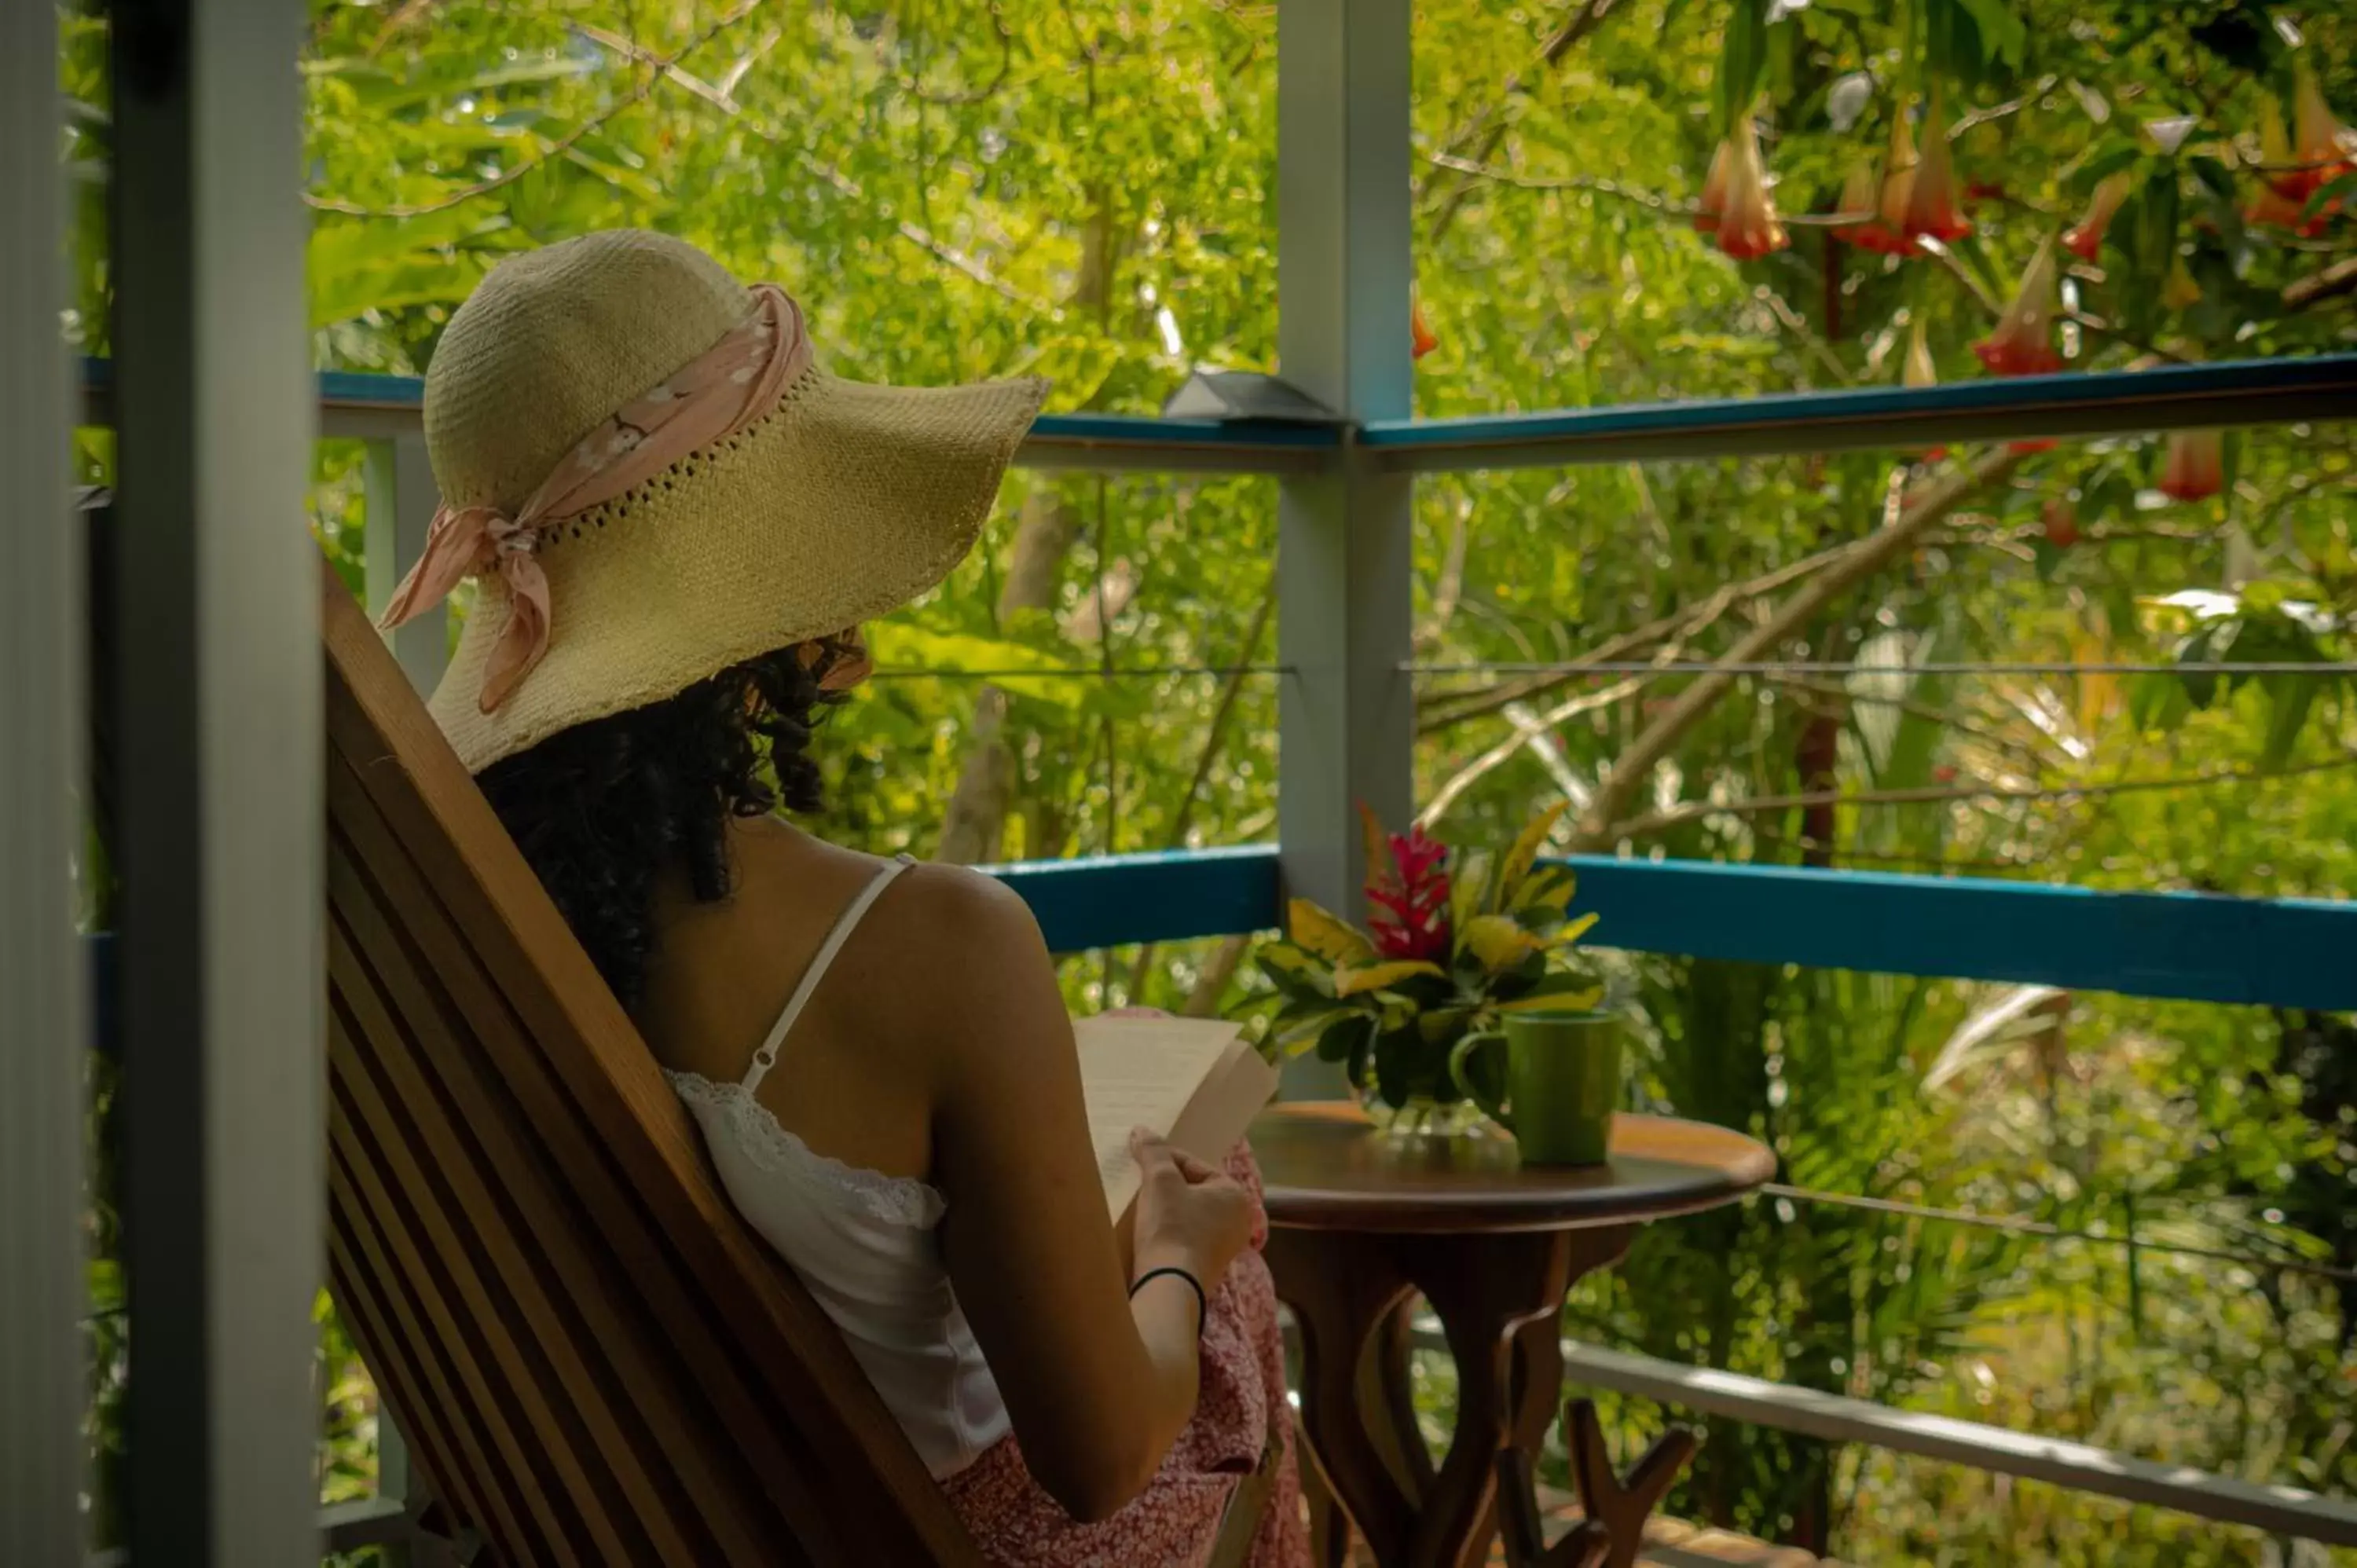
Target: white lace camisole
[(867, 1245)]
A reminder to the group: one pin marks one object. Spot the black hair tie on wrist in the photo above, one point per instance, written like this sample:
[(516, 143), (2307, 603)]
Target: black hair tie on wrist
[(1202, 1306)]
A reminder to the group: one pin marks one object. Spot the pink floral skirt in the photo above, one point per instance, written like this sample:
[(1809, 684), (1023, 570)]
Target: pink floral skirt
[(1175, 1522)]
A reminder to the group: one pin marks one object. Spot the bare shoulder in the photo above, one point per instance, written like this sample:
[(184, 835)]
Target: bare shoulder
[(978, 980), (959, 913)]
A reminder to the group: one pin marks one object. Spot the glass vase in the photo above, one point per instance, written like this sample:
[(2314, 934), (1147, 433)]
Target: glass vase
[(1426, 1119)]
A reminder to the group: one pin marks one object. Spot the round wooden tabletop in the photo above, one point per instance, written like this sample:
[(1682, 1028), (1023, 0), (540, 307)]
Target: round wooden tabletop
[(1328, 1167)]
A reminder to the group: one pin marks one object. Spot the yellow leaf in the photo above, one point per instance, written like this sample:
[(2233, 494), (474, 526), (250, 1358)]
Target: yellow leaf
[(1352, 982), (1468, 882), (1525, 852), (1560, 1001), (1497, 940), (1292, 959), (1548, 890), (1441, 1022), (1571, 932), (1316, 930)]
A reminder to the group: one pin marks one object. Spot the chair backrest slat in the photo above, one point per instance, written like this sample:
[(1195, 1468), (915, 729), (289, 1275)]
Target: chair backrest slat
[(593, 1358)]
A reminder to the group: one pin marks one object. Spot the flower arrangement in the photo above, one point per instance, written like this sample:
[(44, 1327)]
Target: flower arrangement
[(1454, 939)]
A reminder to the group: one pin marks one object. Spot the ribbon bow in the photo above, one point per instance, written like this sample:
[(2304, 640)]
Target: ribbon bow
[(735, 382)]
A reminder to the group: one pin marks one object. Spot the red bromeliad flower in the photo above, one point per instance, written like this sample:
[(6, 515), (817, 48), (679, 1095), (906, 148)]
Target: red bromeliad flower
[(2023, 343), (1932, 210), (2085, 240), (2194, 468), (1410, 917)]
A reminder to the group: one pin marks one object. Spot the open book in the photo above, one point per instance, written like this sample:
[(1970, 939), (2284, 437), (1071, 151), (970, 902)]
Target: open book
[(1194, 1080)]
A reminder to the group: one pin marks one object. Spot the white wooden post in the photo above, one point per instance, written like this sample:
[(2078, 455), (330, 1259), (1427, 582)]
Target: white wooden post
[(399, 489), (43, 1047), (1346, 715), (216, 595)]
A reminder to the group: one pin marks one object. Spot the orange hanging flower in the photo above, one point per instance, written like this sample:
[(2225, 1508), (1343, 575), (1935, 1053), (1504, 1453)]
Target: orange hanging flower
[(2061, 523), (2180, 291), (1918, 371), (1747, 229), (1888, 231), (1421, 340), (1713, 191), (1932, 210), (2194, 468), (1856, 207), (2320, 142), (2273, 209), (2275, 160), (2023, 343), (2085, 240)]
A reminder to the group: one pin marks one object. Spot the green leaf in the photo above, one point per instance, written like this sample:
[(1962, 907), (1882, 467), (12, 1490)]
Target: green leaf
[(2157, 701), (1295, 973), (2289, 699), (898, 645), (2004, 37), (1357, 980), (1345, 1038), (1742, 62)]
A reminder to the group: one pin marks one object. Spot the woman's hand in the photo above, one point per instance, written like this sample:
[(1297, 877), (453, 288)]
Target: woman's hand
[(1190, 1215)]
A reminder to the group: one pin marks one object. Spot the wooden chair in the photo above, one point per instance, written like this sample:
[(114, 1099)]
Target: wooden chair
[(594, 1359)]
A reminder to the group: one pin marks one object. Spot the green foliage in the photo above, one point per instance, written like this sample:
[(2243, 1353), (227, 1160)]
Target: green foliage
[(959, 189)]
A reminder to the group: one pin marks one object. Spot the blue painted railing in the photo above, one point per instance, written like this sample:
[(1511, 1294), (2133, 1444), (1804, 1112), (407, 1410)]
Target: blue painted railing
[(2240, 392), (2286, 952), (2248, 392), (2189, 946), (356, 405), (1114, 900)]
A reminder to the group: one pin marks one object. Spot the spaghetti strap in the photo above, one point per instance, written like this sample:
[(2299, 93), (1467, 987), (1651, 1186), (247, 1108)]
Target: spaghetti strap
[(848, 922)]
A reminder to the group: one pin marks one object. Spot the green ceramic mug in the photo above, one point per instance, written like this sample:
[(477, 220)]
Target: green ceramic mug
[(1562, 1083)]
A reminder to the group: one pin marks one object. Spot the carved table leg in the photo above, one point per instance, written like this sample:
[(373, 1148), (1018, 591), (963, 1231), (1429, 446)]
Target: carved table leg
[(1621, 1503), (1341, 1287), (1499, 1297), (1485, 1289)]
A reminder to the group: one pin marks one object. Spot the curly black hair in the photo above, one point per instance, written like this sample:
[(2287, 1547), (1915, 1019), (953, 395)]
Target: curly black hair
[(602, 810)]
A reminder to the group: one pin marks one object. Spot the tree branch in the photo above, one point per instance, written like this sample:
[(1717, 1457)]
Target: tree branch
[(1855, 563), (2339, 278), (663, 66), (1214, 740), (724, 99), (1452, 708), (1931, 794), (1585, 18), (1473, 771)]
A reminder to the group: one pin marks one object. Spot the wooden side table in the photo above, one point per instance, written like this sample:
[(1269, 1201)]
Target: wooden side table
[(1357, 1221)]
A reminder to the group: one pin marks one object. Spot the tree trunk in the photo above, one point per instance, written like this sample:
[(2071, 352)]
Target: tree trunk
[(974, 828)]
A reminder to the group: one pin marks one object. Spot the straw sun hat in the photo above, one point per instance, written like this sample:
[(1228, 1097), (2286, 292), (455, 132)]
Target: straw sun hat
[(625, 554)]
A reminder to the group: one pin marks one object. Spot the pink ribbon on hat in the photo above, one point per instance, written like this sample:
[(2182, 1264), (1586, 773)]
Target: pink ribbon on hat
[(735, 382)]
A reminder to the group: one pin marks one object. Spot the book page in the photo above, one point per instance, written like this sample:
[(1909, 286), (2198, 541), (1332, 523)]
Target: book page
[(1149, 1073)]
